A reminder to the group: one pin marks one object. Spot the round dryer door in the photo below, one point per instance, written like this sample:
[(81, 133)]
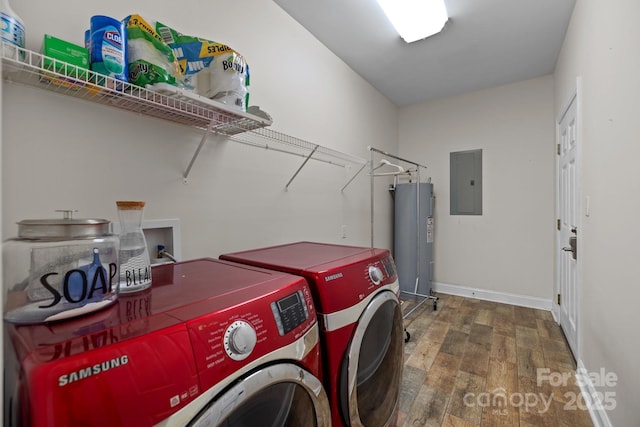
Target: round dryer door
[(274, 396), (372, 370)]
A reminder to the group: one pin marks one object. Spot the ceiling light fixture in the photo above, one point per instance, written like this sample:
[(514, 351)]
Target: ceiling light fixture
[(415, 19)]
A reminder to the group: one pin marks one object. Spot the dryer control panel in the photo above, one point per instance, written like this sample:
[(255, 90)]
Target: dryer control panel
[(239, 333), (290, 312), (388, 265)]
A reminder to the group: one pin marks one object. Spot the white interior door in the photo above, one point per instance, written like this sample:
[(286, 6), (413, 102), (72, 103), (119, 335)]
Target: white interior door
[(568, 233)]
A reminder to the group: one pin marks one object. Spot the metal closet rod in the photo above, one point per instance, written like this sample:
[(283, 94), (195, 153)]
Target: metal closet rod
[(395, 157)]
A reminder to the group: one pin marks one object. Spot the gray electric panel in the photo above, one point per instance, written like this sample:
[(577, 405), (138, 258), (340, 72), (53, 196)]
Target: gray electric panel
[(466, 182), (413, 237)]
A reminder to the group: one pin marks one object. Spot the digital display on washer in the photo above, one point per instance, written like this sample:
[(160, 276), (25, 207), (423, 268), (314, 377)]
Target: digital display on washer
[(388, 266), (289, 312)]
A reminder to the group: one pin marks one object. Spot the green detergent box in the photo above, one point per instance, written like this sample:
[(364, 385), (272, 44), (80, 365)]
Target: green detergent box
[(74, 58)]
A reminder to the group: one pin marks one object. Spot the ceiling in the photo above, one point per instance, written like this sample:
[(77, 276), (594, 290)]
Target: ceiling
[(486, 43)]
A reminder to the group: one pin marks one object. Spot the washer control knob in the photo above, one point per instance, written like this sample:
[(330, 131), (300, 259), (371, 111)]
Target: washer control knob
[(239, 340), (375, 274)]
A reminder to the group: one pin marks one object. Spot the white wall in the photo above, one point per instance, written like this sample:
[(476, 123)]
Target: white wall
[(63, 153), (509, 248), (601, 48)]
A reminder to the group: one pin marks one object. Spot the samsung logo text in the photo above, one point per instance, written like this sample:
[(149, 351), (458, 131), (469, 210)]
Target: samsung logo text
[(84, 373), (333, 277)]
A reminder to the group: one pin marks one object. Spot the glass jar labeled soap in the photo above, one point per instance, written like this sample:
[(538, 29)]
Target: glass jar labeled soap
[(135, 265), (59, 268)]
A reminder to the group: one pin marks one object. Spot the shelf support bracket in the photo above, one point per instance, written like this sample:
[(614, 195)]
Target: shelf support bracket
[(195, 155), (354, 176), (286, 187)]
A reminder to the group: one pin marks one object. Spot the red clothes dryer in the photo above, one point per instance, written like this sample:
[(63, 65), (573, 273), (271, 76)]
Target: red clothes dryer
[(356, 294), (211, 343)]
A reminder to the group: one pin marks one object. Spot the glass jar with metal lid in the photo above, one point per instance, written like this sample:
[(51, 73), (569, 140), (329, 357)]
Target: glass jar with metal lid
[(59, 268)]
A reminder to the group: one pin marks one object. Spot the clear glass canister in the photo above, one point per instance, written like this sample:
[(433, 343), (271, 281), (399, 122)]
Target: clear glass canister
[(59, 268), (135, 265)]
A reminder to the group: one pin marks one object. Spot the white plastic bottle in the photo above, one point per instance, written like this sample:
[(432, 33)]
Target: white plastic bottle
[(12, 31)]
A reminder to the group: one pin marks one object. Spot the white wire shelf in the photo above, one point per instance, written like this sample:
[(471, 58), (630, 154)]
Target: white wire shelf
[(272, 140), (29, 68), (33, 69)]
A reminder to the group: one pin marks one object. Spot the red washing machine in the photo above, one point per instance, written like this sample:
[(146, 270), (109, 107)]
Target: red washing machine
[(356, 294), (211, 343)]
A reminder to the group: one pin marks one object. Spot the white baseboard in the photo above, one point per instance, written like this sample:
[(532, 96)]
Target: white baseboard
[(599, 415), (503, 297)]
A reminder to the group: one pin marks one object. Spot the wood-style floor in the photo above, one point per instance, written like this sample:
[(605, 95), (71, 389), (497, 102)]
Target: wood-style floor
[(485, 364)]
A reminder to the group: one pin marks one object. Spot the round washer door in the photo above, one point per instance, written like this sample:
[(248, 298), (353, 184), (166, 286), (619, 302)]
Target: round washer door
[(273, 396), (372, 369)]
